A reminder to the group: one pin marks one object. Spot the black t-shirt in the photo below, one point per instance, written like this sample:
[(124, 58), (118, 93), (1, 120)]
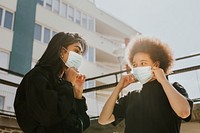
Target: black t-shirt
[(148, 110)]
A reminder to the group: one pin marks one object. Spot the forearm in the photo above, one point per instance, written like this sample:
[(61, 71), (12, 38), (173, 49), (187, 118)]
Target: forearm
[(177, 101), (106, 115), (81, 110)]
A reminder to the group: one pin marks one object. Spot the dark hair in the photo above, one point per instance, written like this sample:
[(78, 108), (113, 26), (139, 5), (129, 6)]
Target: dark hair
[(157, 50), (51, 56)]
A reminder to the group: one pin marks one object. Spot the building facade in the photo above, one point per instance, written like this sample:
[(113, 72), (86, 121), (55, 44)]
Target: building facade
[(27, 26)]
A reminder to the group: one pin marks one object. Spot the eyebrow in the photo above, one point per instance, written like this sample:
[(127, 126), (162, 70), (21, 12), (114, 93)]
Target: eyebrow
[(79, 48), (140, 60), (143, 60)]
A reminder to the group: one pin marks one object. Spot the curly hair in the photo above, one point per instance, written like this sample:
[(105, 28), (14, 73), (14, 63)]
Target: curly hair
[(157, 50)]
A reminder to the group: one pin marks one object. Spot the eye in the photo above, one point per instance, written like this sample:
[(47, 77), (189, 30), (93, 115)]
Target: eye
[(143, 63), (134, 65), (77, 51)]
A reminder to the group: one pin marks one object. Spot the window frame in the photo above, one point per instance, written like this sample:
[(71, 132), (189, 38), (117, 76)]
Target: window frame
[(55, 9), (8, 58), (65, 13), (40, 32), (44, 37), (48, 5), (3, 19), (71, 16), (78, 18), (3, 103)]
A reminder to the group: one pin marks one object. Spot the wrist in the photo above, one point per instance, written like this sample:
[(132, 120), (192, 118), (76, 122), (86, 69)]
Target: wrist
[(77, 95), (164, 82), (118, 88)]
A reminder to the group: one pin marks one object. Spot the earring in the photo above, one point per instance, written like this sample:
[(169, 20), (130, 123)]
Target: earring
[(62, 56)]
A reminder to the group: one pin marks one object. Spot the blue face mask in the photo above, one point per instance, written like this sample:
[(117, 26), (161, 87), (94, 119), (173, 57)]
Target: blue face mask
[(74, 60), (142, 74)]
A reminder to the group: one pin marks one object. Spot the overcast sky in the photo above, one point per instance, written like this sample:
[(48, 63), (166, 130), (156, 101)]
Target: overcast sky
[(176, 22)]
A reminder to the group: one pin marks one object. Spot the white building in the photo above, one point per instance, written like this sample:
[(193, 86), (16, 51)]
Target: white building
[(27, 27)]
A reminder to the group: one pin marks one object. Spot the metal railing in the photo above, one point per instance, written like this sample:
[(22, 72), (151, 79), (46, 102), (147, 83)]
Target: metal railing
[(10, 83)]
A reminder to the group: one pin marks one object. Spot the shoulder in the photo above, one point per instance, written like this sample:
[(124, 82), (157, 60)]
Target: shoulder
[(40, 71), (38, 75), (128, 96)]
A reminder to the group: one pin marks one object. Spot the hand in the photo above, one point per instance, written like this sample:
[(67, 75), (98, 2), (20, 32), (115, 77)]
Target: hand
[(126, 80), (78, 86), (70, 75), (158, 74)]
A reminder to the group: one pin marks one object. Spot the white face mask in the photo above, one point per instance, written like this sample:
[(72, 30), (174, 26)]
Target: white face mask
[(142, 74), (74, 59)]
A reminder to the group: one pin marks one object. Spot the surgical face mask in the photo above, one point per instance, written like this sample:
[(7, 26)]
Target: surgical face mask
[(74, 59), (142, 74)]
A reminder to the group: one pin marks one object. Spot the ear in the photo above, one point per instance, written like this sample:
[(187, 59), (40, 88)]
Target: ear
[(62, 52), (157, 64)]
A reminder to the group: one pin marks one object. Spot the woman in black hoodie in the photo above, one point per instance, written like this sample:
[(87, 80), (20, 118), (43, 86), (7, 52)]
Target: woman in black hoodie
[(49, 98)]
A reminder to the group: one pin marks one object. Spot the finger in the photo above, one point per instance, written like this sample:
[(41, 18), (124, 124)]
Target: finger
[(154, 68), (83, 77), (80, 77)]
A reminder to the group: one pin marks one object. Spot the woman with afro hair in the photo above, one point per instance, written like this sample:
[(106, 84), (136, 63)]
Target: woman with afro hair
[(160, 106)]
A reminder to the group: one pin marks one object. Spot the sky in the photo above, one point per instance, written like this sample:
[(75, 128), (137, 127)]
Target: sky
[(176, 22)]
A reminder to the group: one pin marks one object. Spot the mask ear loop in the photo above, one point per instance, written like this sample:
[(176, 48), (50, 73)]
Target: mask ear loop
[(65, 49), (155, 64), (61, 56)]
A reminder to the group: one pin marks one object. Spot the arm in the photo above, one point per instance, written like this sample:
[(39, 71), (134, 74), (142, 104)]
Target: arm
[(81, 110), (106, 115), (177, 101), (78, 79)]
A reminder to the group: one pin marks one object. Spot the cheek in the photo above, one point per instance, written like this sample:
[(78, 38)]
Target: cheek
[(65, 57)]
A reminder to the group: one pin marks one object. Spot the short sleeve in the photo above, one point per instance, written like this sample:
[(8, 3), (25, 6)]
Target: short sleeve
[(182, 90), (120, 109)]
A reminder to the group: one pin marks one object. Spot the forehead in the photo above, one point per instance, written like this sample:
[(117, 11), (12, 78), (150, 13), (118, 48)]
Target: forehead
[(140, 56), (75, 45)]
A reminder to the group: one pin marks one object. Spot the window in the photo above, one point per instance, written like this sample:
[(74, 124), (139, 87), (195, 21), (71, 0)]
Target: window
[(64, 10), (49, 4), (78, 17), (46, 35), (2, 100), (91, 84), (91, 56), (91, 23), (71, 13), (84, 20), (85, 56), (8, 20), (1, 14), (4, 59), (38, 32), (41, 2), (56, 6), (53, 33)]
